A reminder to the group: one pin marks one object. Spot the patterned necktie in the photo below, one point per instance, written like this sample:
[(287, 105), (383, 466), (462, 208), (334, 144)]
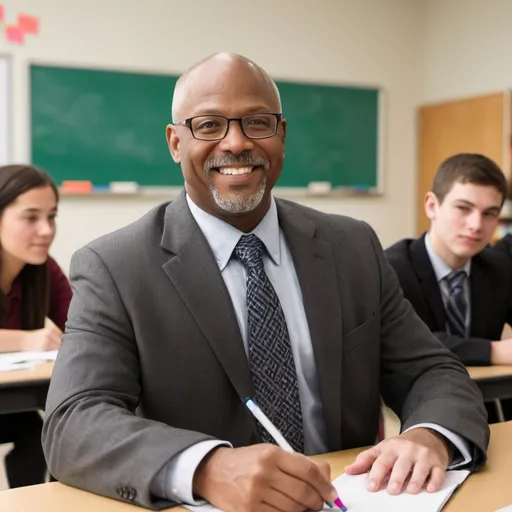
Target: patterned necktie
[(457, 306), (270, 354)]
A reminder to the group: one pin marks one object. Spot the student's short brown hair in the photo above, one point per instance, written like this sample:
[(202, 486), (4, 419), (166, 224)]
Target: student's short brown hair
[(468, 168)]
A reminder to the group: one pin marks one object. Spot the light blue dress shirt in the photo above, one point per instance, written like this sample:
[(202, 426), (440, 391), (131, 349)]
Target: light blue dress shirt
[(441, 270), (174, 481)]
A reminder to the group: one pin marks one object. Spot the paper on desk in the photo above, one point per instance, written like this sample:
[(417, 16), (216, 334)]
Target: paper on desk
[(22, 360), (352, 490)]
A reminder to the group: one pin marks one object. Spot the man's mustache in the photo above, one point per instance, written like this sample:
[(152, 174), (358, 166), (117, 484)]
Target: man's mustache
[(245, 158)]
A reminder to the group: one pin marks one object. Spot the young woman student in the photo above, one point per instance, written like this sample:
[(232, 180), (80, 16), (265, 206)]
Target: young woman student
[(32, 288)]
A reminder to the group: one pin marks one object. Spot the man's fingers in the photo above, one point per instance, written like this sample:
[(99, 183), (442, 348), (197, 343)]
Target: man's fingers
[(437, 476), (324, 468), (265, 507), (302, 500), (419, 476), (380, 470), (399, 474), (304, 470), (363, 461)]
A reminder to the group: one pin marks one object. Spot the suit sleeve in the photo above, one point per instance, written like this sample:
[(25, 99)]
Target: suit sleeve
[(421, 380), (471, 351), (92, 437)]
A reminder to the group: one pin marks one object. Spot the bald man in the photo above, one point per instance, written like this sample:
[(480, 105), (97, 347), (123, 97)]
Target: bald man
[(226, 293)]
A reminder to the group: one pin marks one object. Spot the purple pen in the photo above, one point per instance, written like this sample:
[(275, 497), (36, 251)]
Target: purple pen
[(340, 504)]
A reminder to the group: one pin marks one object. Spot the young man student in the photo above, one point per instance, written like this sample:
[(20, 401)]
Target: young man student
[(461, 288), (226, 293)]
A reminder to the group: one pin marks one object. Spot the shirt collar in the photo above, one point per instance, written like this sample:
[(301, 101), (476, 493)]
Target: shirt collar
[(222, 237), (441, 268)]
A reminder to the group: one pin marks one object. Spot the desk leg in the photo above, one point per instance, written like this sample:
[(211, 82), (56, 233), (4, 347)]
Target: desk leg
[(499, 410)]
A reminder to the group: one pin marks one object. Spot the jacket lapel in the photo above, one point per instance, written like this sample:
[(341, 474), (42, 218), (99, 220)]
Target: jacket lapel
[(315, 267), (197, 278), (480, 293), (428, 281)]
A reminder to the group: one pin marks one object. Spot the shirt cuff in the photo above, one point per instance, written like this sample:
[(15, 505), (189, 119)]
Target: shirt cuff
[(174, 481), (463, 457)]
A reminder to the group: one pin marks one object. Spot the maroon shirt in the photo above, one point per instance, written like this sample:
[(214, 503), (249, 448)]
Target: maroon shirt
[(60, 297)]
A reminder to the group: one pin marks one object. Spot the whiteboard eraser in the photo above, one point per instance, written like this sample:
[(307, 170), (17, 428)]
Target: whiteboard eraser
[(123, 187), (320, 187)]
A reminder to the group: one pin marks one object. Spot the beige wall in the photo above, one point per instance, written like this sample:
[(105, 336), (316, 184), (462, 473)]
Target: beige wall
[(468, 48), (373, 42)]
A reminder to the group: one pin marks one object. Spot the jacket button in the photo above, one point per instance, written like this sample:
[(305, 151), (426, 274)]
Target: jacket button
[(132, 493)]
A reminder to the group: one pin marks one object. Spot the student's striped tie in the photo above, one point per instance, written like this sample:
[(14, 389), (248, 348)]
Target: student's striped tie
[(456, 308)]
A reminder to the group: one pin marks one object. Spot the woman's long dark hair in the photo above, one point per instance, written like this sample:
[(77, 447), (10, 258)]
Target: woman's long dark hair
[(14, 181)]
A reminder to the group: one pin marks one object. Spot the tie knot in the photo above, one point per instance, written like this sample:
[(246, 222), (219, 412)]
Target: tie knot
[(249, 250), (455, 279)]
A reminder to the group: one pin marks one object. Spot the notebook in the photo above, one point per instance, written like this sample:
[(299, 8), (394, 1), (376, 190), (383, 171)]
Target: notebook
[(23, 360), (352, 490)]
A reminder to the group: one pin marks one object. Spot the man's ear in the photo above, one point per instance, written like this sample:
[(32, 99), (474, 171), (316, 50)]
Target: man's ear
[(283, 134), (173, 142), (431, 203)]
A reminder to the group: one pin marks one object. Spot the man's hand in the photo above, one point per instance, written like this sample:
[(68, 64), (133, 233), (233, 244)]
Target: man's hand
[(421, 454), (501, 352), (263, 478)]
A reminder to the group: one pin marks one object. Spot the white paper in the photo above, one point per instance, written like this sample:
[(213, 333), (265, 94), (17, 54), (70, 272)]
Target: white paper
[(23, 360), (352, 491)]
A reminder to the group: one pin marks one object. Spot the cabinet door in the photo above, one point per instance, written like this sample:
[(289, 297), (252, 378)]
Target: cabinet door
[(474, 125)]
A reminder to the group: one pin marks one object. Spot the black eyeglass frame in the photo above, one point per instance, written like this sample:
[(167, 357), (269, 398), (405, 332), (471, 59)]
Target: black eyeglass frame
[(188, 124)]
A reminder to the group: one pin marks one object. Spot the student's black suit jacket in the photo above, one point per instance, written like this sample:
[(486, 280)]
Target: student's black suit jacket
[(505, 246), (490, 296)]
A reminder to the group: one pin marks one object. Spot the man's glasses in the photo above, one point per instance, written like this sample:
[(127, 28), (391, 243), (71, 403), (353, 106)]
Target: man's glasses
[(254, 126)]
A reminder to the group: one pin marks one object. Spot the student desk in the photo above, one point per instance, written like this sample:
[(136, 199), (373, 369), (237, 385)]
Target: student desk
[(495, 382), (24, 390), (485, 491)]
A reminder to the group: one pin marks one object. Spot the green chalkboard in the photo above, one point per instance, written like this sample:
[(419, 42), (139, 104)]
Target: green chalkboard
[(108, 126)]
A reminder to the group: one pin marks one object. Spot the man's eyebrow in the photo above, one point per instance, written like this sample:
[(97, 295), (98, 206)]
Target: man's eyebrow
[(469, 203)]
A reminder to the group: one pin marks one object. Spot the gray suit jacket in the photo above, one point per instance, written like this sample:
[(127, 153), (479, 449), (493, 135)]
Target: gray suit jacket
[(152, 360)]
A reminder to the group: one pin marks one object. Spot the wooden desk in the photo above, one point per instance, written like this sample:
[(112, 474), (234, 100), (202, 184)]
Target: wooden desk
[(485, 491), (25, 390), (495, 382)]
